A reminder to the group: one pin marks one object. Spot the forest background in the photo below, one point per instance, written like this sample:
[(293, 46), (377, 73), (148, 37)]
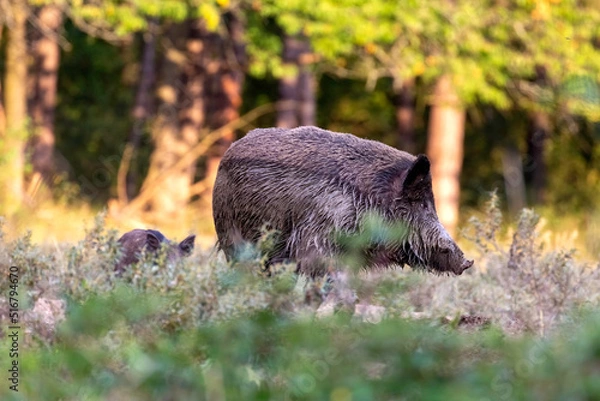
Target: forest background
[(129, 105)]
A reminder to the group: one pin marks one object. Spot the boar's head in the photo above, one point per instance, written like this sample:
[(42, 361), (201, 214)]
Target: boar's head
[(426, 243), (135, 241), (175, 251)]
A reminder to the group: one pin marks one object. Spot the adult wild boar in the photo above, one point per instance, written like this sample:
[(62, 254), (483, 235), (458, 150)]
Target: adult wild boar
[(135, 241), (308, 183)]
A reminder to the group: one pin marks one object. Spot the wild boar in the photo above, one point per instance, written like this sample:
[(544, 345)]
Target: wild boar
[(308, 183), (133, 242)]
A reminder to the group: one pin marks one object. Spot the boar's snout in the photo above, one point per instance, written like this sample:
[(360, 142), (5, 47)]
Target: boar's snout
[(465, 265), (458, 264), (457, 267), (448, 258)]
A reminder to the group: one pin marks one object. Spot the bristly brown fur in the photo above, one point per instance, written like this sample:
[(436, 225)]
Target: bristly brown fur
[(307, 183)]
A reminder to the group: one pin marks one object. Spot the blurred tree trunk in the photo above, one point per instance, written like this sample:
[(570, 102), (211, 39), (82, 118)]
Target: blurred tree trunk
[(297, 100), (512, 168), (142, 110), (226, 63), (306, 86), (287, 116), (404, 101), (445, 148), (180, 118), (537, 134), (15, 103), (42, 103)]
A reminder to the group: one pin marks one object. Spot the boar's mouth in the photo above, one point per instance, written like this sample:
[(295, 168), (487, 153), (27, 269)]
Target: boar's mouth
[(440, 265), (451, 265), (457, 268)]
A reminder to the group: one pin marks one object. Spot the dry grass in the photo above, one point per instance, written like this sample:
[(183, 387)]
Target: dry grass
[(521, 282)]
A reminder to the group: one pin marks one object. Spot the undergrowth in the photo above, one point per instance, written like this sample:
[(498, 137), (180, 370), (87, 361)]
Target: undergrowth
[(200, 329), (519, 283)]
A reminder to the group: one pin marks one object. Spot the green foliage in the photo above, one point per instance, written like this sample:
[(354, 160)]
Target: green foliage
[(102, 352), (93, 113), (374, 232), (264, 47), (490, 48), (328, 25), (577, 158), (117, 19), (346, 106)]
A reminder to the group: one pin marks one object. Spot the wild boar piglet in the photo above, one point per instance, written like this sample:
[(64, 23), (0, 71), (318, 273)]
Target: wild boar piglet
[(135, 241)]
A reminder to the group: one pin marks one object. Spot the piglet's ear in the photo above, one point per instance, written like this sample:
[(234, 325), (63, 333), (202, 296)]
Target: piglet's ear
[(418, 173), (187, 245), (152, 241)]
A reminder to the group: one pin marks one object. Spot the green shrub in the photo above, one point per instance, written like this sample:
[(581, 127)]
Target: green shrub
[(106, 350)]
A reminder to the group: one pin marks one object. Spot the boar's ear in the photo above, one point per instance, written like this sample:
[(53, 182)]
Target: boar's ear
[(418, 174), (152, 241), (187, 245)]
